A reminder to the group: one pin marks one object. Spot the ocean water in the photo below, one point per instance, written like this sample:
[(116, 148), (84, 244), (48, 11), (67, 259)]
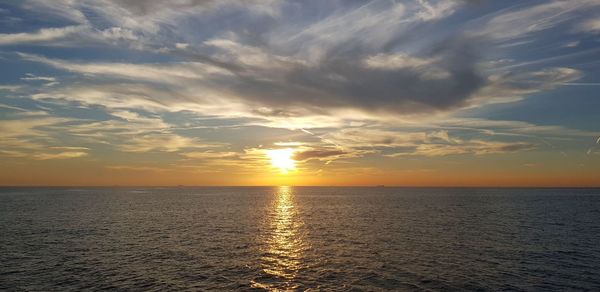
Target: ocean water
[(299, 238)]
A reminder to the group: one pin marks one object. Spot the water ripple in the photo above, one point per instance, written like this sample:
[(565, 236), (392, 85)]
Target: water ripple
[(279, 239)]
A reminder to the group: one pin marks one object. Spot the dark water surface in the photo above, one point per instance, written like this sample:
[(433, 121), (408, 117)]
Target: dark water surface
[(300, 238)]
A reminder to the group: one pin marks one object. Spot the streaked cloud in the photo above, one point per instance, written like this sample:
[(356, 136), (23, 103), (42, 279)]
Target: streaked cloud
[(276, 75), (159, 142), (435, 143), (32, 77), (43, 35), (60, 155), (523, 21), (9, 87), (589, 25), (210, 155), (475, 147)]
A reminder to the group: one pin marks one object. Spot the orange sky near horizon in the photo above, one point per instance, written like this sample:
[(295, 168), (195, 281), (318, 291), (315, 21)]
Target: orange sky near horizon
[(69, 173)]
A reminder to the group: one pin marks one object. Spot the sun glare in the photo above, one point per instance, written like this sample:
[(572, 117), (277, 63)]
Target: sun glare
[(282, 159)]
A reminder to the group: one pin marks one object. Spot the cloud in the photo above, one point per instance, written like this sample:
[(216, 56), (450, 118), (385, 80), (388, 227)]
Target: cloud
[(319, 154), (572, 44), (61, 155), (512, 128), (314, 67), (337, 84), (152, 7), (28, 136), (395, 61), (287, 67), (32, 77), (433, 143), (28, 127), (359, 74), (80, 36), (365, 137), (63, 9), (42, 35), (13, 153), (116, 34), (523, 21), (9, 87), (182, 46), (144, 8), (10, 107), (137, 168), (279, 89), (137, 133), (145, 17), (250, 160), (50, 81), (70, 148), (476, 147), (159, 73), (589, 25), (210, 155), (32, 136), (513, 86)]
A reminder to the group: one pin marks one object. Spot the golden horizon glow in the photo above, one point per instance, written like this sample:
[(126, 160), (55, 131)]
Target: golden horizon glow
[(282, 159)]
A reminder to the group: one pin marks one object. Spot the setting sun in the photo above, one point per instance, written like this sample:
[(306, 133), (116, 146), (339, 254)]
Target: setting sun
[(282, 159)]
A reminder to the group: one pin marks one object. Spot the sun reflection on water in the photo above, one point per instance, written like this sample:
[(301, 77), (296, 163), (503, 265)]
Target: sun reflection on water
[(284, 245)]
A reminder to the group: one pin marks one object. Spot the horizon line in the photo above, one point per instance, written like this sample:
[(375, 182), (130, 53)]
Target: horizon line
[(314, 186)]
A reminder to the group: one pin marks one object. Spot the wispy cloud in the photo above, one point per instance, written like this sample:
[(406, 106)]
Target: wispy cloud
[(160, 142), (522, 20), (32, 77), (42, 35), (9, 87), (476, 147), (61, 155), (589, 25), (137, 168)]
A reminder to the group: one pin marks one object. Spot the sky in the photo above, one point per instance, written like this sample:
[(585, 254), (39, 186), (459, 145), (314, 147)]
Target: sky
[(314, 92)]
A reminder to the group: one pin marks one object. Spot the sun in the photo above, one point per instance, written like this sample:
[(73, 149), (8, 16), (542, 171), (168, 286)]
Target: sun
[(282, 159)]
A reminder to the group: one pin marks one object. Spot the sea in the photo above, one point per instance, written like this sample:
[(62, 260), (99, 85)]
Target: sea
[(299, 239)]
